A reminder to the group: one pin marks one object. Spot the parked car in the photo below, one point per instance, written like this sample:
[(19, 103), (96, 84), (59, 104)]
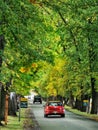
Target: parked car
[(37, 99), (54, 108)]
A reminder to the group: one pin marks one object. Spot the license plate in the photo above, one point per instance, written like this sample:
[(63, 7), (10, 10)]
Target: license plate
[(55, 112)]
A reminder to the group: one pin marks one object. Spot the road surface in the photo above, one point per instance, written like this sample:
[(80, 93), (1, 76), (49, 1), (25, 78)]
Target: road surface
[(70, 122)]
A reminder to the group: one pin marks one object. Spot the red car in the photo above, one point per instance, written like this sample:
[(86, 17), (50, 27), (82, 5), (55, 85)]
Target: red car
[(54, 108)]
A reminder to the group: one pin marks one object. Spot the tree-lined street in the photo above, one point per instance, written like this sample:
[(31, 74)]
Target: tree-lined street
[(49, 47)]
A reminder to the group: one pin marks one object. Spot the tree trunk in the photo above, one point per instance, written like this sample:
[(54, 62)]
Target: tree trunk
[(71, 100), (12, 104), (93, 62), (94, 109), (2, 103), (2, 92), (6, 109), (78, 104), (1, 48)]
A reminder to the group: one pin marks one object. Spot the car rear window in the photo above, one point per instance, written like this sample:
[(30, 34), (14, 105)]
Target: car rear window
[(54, 104)]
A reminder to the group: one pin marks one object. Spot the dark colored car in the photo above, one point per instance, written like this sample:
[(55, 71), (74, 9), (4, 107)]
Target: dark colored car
[(37, 99), (54, 108)]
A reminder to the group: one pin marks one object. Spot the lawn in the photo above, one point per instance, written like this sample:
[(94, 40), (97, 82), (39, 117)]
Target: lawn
[(14, 123), (88, 115)]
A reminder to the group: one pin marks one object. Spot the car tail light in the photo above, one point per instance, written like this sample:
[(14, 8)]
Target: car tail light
[(47, 108), (62, 109)]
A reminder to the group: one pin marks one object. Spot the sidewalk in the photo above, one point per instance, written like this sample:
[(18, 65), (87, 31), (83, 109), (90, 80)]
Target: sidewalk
[(31, 118), (34, 124)]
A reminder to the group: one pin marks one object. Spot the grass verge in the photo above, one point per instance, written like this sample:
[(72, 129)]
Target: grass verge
[(87, 115), (14, 123)]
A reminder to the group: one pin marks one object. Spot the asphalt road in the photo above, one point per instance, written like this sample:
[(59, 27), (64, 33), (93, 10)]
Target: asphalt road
[(70, 122)]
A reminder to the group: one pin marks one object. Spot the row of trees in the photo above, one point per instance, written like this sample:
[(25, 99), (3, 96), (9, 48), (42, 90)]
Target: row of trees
[(75, 27), (50, 46)]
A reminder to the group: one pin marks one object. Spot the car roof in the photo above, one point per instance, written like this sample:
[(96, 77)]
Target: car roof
[(53, 101), (37, 96)]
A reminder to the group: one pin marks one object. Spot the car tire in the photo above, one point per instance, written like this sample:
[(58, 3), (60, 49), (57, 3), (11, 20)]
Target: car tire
[(63, 115), (45, 115)]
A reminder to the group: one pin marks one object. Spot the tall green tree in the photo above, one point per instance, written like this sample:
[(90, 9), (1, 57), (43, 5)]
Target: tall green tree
[(78, 26)]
